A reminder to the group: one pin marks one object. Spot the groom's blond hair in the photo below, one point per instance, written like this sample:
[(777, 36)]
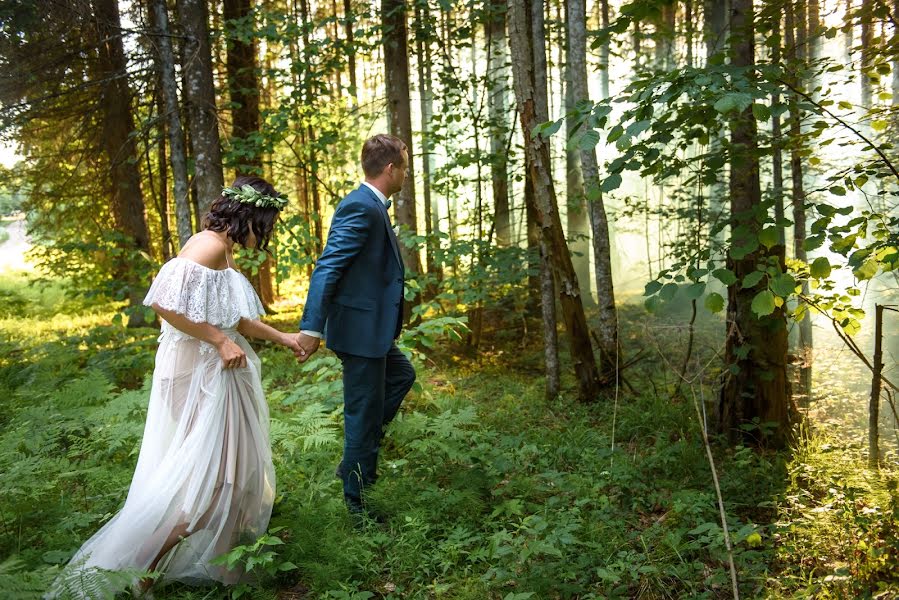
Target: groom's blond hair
[(379, 151)]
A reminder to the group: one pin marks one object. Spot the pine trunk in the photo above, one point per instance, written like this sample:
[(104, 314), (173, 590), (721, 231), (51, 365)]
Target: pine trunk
[(120, 149)]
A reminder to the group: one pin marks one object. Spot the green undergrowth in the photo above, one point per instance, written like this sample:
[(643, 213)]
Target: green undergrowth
[(490, 490)]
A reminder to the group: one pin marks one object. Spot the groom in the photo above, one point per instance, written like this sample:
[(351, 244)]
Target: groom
[(355, 301)]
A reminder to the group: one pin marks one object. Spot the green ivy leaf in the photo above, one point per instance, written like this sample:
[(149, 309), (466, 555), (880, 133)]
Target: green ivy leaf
[(714, 302), (763, 303)]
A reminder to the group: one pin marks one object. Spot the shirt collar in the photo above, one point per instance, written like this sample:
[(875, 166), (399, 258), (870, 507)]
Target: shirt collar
[(377, 192)]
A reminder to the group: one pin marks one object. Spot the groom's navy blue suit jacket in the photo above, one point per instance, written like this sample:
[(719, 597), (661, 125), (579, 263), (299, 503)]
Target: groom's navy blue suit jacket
[(356, 292)]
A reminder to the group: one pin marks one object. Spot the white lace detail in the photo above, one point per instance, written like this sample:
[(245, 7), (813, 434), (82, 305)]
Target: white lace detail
[(204, 295)]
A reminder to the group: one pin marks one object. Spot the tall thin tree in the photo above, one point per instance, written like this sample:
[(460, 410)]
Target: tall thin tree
[(537, 155), (165, 58), (200, 90), (399, 112), (602, 248), (118, 143), (756, 387)]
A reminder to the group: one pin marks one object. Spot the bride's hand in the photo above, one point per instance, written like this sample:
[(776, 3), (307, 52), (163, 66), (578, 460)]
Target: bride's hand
[(233, 356), (291, 342)]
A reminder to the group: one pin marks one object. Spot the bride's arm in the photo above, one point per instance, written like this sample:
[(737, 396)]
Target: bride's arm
[(259, 330), (232, 354)]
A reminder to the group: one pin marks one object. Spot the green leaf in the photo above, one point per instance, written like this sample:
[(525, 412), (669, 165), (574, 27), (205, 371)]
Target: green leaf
[(638, 127), (783, 285), (761, 112), (725, 104), (652, 303), (820, 268), (725, 276), (867, 270), (652, 287), (714, 302), (612, 182), (838, 190), (878, 125), (752, 280), (616, 132), (588, 140), (696, 290), (813, 242), (769, 237), (668, 291), (763, 303)]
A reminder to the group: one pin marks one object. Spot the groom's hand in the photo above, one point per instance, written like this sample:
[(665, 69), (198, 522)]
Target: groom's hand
[(308, 346)]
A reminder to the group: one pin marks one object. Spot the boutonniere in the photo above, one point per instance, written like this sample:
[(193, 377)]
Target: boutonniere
[(396, 230)]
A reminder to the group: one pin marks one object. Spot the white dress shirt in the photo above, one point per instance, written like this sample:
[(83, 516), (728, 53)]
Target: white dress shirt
[(383, 200)]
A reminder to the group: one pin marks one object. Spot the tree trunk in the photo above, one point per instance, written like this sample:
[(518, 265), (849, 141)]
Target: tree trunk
[(756, 386), (243, 89), (895, 43), (777, 145), (715, 27), (200, 88), (602, 259), (119, 146), (550, 328), (497, 73), (689, 26), (172, 116), (804, 351), (243, 85), (605, 49), (537, 157), (349, 21), (664, 38), (399, 115), (576, 215), (426, 102), (867, 43), (162, 203)]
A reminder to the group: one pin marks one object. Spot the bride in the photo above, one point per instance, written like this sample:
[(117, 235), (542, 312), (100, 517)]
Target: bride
[(204, 481)]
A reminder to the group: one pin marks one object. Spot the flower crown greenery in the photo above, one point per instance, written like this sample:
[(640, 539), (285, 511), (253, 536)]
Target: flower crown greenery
[(247, 194)]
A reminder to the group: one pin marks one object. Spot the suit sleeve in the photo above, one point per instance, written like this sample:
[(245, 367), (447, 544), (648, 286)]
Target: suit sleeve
[(350, 227)]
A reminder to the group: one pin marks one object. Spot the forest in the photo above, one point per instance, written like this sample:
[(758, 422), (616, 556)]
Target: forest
[(651, 286)]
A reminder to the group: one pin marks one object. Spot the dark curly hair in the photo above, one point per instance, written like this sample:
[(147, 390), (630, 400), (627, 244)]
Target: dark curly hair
[(236, 218)]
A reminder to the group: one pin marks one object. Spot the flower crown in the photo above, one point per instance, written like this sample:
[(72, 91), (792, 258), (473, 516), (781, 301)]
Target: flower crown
[(247, 194)]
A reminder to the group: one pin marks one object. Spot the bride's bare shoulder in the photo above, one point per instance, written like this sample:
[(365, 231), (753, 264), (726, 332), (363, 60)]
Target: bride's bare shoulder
[(206, 249)]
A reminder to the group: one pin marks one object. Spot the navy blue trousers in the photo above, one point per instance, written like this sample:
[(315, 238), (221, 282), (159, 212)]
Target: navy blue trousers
[(373, 389)]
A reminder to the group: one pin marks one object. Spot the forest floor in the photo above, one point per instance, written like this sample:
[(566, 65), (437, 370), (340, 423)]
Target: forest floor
[(490, 490)]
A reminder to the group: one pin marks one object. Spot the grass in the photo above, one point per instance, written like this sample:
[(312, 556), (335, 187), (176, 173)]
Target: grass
[(492, 491)]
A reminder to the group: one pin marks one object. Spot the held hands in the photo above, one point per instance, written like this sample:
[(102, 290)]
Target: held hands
[(306, 346)]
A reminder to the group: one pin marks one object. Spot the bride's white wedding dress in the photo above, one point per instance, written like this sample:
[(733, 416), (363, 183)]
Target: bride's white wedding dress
[(205, 469)]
